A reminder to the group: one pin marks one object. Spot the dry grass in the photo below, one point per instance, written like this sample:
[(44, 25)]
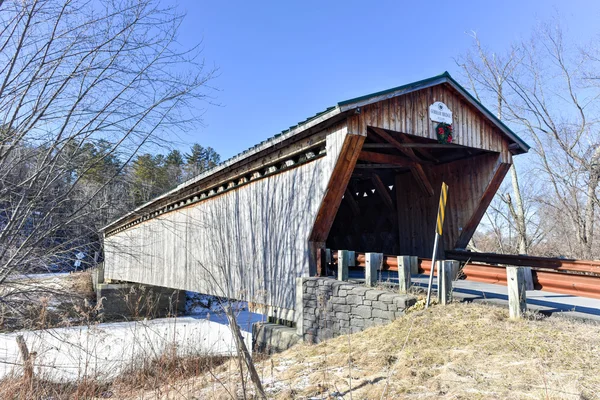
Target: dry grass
[(462, 351), (168, 367), (153, 375), (15, 388)]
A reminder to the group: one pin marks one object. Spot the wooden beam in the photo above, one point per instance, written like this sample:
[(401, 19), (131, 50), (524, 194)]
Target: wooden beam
[(352, 203), (422, 180), (468, 230), (416, 168), (382, 190), (391, 140), (414, 145), (376, 166), (390, 159), (424, 152), (338, 181), (381, 158)]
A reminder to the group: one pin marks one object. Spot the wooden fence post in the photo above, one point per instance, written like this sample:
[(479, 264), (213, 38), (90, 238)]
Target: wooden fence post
[(321, 264), (351, 258), (404, 271), (517, 299), (374, 261), (414, 265), (528, 278), (27, 360), (299, 312), (445, 275), (343, 264)]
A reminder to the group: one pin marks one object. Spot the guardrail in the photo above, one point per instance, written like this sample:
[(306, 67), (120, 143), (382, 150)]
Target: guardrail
[(573, 277)]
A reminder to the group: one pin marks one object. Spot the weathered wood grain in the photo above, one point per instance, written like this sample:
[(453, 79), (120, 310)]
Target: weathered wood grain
[(249, 243), (468, 181), (382, 158), (471, 128), (498, 174)]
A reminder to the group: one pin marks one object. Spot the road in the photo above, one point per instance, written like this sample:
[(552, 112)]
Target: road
[(547, 303)]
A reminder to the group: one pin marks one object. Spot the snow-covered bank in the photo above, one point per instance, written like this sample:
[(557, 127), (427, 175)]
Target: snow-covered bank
[(48, 275), (105, 350)]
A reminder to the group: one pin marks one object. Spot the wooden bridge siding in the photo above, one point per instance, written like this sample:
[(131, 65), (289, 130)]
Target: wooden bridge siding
[(409, 114), (252, 241), (467, 180)]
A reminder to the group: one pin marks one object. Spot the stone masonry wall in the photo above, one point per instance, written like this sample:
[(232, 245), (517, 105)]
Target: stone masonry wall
[(331, 308)]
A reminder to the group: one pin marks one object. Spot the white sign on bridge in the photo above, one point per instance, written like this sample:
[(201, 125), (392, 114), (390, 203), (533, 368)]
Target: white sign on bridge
[(439, 112)]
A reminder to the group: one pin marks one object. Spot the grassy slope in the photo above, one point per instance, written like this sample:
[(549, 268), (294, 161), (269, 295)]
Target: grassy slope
[(463, 351)]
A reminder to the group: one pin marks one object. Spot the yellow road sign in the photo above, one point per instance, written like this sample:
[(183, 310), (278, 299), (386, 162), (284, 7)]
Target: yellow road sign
[(442, 208)]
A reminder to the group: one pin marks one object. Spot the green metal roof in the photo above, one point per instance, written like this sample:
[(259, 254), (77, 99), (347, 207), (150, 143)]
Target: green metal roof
[(407, 87)]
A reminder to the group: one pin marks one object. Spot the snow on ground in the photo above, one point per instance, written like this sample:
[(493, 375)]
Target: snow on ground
[(37, 276), (105, 350)]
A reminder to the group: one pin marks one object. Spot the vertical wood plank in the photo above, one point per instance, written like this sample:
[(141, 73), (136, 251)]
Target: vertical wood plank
[(402, 105), (394, 114), (409, 113), (385, 119)]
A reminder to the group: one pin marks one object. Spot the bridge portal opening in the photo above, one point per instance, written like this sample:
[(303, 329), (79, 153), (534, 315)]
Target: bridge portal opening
[(391, 200)]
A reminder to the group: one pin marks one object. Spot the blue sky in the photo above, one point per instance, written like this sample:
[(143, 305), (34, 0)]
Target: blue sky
[(281, 62)]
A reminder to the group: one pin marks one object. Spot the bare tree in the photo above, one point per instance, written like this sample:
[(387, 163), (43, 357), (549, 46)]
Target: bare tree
[(550, 93), (556, 102), (499, 233), (487, 74), (74, 73)]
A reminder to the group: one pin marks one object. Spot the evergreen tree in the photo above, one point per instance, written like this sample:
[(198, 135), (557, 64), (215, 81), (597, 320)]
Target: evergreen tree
[(147, 177), (174, 167), (96, 162), (201, 159)]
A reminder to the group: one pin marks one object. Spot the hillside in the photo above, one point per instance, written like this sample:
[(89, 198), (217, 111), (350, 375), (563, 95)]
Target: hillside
[(463, 351)]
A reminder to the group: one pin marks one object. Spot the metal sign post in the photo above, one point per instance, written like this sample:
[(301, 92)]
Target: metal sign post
[(438, 234)]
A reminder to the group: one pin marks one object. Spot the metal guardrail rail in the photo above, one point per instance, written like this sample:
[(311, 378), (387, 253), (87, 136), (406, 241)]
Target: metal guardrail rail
[(573, 277)]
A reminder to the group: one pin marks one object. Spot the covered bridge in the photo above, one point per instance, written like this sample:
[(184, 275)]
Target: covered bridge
[(362, 175)]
